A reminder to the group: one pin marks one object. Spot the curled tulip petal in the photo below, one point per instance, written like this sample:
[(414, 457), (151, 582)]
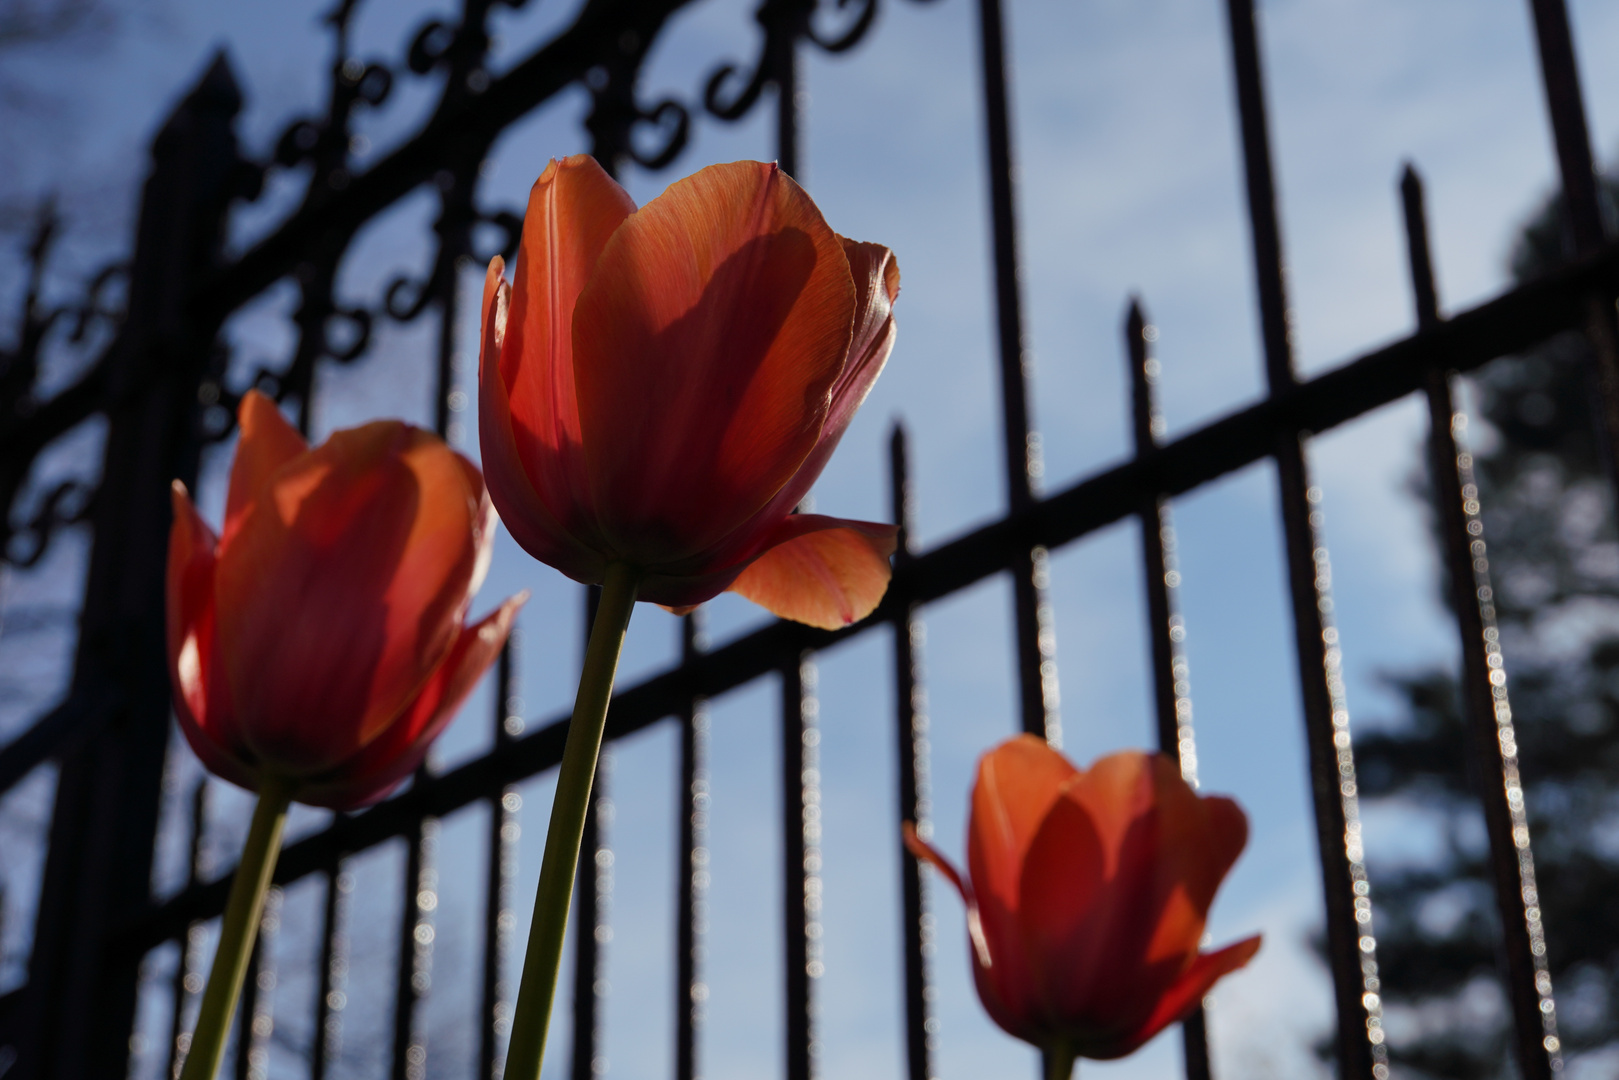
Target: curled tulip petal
[(930, 855), (305, 642), (828, 573), (660, 387), (1088, 895), (1190, 989)]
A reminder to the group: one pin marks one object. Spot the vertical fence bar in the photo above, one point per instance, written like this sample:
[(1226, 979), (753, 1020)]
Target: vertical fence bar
[(1036, 635), (499, 923), (332, 994), (187, 977), (1351, 947), (248, 1007), (1491, 741), (911, 726), (801, 861), (1171, 679), (257, 1024), (787, 106), (691, 917), (1565, 105), (589, 928), (415, 971), (595, 885), (79, 1008)]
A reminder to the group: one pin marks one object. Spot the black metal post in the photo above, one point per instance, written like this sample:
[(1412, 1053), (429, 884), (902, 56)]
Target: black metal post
[(911, 726), (1565, 105), (332, 995), (500, 923), (590, 929), (1492, 742), (691, 918), (81, 1004), (187, 979), (1351, 947), (1035, 632), (255, 1020), (1172, 692), (414, 975), (801, 861)]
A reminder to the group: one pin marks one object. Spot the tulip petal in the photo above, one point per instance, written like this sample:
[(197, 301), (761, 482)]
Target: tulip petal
[(384, 763), (929, 854), (573, 209), (876, 284), (1063, 872), (706, 346), (201, 698), (1199, 841), (827, 572), (531, 523), (267, 443), (1184, 995), (1018, 782), (343, 589)]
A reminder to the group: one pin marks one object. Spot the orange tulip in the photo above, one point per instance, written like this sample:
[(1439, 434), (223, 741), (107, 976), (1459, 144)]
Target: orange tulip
[(1088, 893), (660, 387), (321, 638)]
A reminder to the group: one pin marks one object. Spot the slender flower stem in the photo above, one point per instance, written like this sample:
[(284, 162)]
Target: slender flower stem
[(539, 985), (1058, 1061), (243, 911)]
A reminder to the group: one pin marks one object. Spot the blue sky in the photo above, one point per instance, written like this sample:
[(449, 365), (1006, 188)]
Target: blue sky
[(1129, 181)]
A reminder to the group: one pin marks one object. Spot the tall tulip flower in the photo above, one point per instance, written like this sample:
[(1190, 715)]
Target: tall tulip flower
[(318, 646), (658, 390), (660, 387), (1087, 895)]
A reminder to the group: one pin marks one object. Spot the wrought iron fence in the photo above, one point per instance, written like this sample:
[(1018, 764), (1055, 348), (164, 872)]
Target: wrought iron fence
[(160, 385)]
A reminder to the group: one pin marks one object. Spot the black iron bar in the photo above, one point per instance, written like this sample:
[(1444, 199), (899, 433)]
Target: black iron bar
[(499, 924), (788, 105), (1565, 105), (1351, 948), (691, 916), (590, 929), (1518, 319), (255, 1019), (186, 974), (248, 1008), (1032, 617), (79, 1011), (331, 993), (1492, 742), (801, 880), (911, 727), (1172, 693), (413, 974)]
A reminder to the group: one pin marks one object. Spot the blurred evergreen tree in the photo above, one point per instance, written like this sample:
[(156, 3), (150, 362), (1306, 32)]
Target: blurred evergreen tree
[(1554, 559)]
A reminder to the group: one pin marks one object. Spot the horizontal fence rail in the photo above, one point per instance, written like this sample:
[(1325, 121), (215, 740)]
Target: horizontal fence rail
[(1510, 323)]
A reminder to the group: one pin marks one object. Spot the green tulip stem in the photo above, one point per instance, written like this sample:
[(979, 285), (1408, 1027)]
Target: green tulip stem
[(243, 911), (561, 862), (1058, 1061)]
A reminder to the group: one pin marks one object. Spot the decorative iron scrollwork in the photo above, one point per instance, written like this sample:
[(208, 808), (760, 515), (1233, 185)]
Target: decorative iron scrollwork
[(28, 424)]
